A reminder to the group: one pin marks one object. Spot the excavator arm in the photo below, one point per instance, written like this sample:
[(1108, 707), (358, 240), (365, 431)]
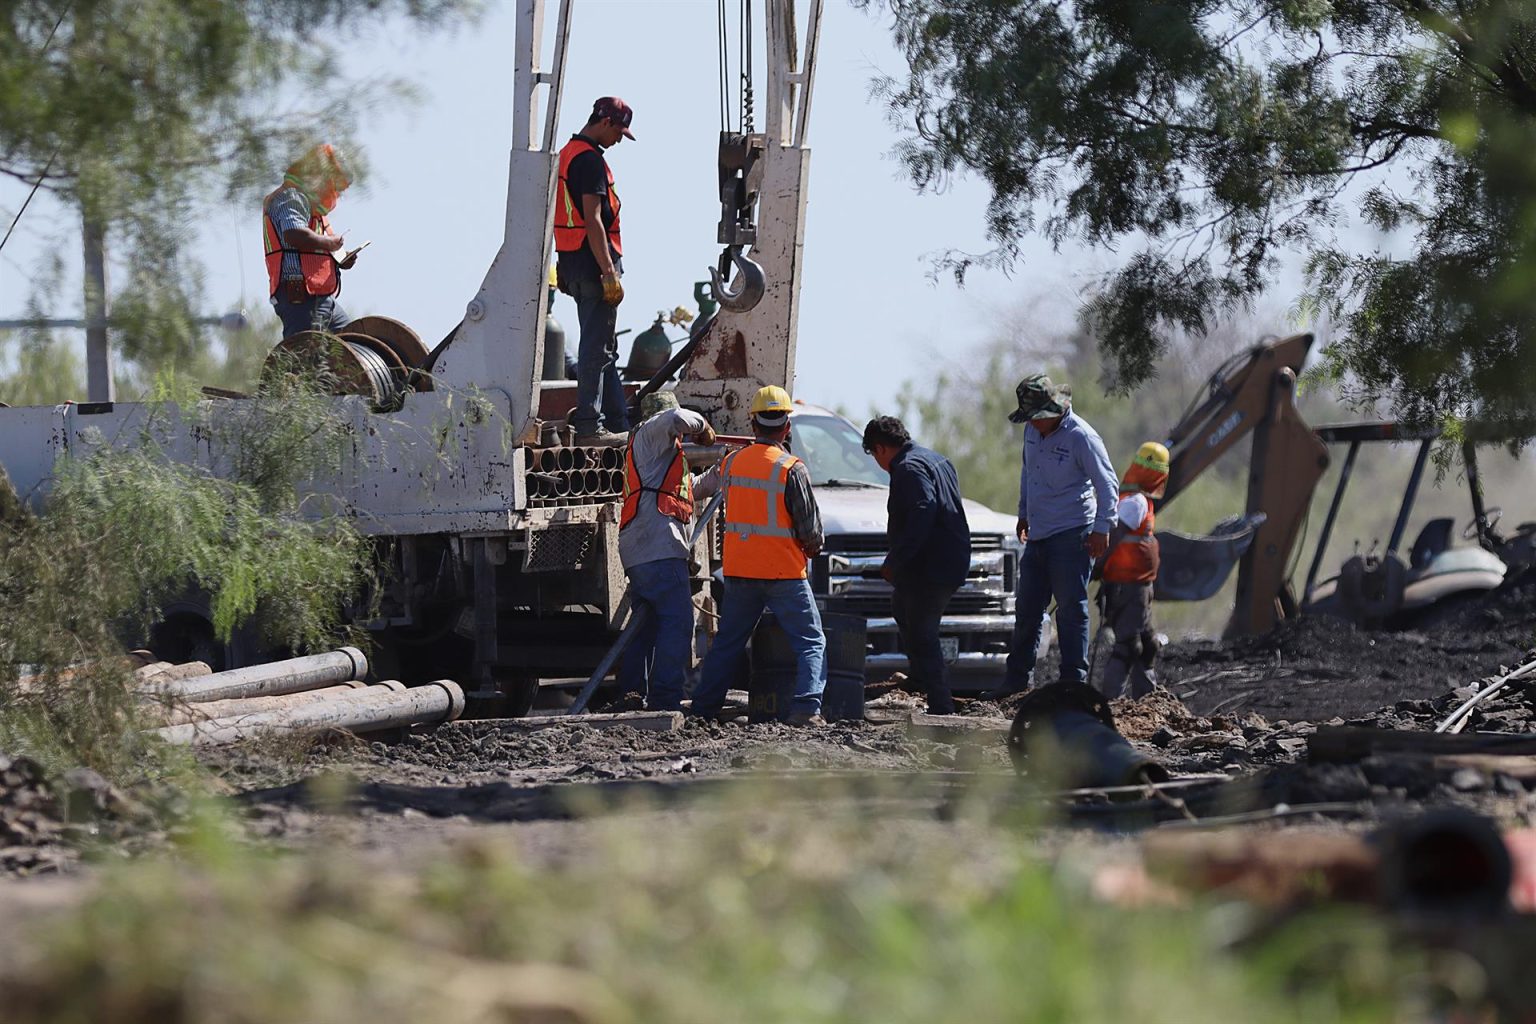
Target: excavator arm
[(1256, 394)]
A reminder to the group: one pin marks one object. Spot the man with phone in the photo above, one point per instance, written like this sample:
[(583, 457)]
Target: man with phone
[(302, 269)]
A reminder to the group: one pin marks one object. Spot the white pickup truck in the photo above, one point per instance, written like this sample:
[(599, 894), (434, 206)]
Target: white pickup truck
[(851, 492)]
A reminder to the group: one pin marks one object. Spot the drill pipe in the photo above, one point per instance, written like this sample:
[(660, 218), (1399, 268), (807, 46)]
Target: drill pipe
[(366, 710), (253, 705), (576, 483), (613, 458), (279, 677), (1082, 743), (593, 482), (565, 459)]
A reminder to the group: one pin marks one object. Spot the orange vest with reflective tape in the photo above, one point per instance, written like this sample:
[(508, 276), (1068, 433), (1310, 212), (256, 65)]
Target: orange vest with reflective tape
[(1135, 559), (321, 276), (570, 221), (760, 539), (673, 498)]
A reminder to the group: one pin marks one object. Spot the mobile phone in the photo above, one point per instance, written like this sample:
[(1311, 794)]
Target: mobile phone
[(353, 252)]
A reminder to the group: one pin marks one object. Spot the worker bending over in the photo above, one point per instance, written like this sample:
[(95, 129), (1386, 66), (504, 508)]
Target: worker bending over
[(1066, 507), (302, 270), (655, 542), (589, 264), (1129, 571), (928, 549), (772, 524)]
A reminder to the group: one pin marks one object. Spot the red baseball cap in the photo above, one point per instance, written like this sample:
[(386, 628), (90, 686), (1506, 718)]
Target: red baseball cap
[(615, 110)]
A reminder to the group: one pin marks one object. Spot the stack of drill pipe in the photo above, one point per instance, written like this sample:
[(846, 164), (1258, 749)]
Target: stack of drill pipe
[(369, 709), (275, 679)]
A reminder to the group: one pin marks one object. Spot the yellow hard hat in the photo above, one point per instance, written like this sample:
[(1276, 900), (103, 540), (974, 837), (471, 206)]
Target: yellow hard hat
[(1152, 456), (771, 399)]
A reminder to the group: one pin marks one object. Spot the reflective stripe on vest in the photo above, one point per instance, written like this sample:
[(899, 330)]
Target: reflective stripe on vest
[(570, 219), (319, 269), (760, 539), (673, 498), (1135, 559)]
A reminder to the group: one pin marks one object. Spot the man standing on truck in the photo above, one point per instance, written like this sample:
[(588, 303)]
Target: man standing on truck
[(589, 265), (302, 270), (929, 549), (655, 533), (1066, 507), (1129, 571), (772, 525)]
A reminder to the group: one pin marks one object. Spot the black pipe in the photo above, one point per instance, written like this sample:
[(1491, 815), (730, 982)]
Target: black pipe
[(1409, 496), (1333, 514), (1475, 486), (1447, 862), (1075, 724)]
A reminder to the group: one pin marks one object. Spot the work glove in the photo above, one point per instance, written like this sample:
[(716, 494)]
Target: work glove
[(613, 291)]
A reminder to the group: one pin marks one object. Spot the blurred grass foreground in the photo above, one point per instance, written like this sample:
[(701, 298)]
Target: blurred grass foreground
[(780, 914)]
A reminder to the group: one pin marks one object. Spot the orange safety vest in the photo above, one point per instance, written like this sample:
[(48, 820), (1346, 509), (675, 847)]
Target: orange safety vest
[(760, 539), (673, 498), (321, 276), (570, 221), (1135, 558)]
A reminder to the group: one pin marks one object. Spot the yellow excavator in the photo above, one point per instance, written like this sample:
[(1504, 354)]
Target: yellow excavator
[(1254, 393)]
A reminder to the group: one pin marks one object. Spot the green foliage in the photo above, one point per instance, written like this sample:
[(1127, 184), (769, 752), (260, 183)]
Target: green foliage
[(1213, 136), (769, 916), (128, 528), (46, 369)]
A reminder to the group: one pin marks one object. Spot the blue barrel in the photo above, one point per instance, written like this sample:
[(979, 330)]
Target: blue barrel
[(771, 689)]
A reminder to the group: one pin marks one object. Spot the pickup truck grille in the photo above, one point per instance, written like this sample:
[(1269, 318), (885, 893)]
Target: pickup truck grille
[(847, 577)]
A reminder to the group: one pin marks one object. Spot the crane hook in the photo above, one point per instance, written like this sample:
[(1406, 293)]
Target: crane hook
[(749, 281)]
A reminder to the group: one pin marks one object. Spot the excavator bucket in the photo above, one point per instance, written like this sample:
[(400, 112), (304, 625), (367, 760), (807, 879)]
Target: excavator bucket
[(1194, 568)]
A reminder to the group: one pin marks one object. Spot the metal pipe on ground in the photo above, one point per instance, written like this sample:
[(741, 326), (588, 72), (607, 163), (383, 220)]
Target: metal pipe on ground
[(562, 486), (613, 458), (593, 481), (548, 462), (565, 459), (576, 483), (1072, 722), (279, 677), (165, 671), (254, 705), (367, 710)]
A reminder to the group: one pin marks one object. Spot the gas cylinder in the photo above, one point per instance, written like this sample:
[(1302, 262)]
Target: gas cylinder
[(554, 344), (649, 352)]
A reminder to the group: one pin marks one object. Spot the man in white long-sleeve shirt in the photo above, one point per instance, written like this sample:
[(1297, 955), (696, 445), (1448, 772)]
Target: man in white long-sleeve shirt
[(1066, 508), (655, 530)]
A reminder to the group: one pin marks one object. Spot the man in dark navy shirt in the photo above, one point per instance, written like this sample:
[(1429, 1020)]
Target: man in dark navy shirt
[(930, 548), (589, 267)]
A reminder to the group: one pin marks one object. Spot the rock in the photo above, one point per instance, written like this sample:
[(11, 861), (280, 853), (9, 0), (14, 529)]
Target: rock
[(1162, 737), (1468, 780)]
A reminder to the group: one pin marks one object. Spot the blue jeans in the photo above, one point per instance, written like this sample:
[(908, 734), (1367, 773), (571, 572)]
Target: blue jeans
[(657, 658), (599, 391), (794, 606), (919, 609), (1056, 566), (320, 313)]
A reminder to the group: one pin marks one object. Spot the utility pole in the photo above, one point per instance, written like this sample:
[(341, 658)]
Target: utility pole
[(98, 353)]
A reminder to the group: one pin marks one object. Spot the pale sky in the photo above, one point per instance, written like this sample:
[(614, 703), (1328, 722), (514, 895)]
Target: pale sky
[(435, 200)]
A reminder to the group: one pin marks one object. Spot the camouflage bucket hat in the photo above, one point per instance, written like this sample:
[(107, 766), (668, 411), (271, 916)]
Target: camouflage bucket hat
[(1040, 399), (655, 402)]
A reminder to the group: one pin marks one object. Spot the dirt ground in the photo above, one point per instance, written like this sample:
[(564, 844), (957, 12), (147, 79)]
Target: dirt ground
[(1235, 717)]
